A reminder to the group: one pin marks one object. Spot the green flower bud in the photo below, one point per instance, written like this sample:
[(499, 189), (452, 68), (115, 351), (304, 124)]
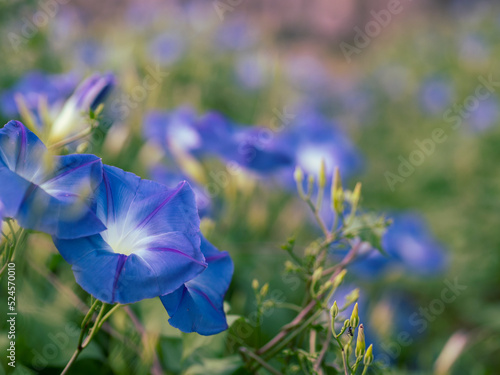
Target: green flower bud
[(322, 175), (360, 342), (264, 289), (334, 310), (354, 321), (337, 192), (352, 297), (317, 275), (339, 278), (368, 356), (255, 284), (298, 175)]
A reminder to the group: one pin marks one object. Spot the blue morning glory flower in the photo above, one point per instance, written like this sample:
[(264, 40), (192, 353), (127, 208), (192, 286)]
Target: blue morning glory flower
[(198, 305), (151, 246), (256, 149), (410, 246), (35, 85), (311, 138), (87, 96), (44, 192), (182, 130)]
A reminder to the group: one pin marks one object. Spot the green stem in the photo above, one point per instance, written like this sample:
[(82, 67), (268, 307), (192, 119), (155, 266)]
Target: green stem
[(19, 240), (82, 344), (365, 370)]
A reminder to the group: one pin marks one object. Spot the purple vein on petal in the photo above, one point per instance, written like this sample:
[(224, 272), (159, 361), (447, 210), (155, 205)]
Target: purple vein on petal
[(109, 199), (155, 211), (178, 252), (72, 170), (119, 267), (216, 257), (203, 295), (22, 147)]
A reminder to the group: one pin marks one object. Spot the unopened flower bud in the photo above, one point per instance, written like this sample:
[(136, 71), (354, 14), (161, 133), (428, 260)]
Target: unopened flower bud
[(368, 356), (322, 175), (298, 175), (255, 284), (354, 321), (339, 278), (360, 342), (334, 310), (316, 276), (264, 290), (337, 192)]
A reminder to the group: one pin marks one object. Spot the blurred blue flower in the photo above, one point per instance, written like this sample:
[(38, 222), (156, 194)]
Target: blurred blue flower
[(171, 178), (182, 130), (151, 246), (44, 192), (166, 48), (87, 96), (311, 138), (252, 71), (410, 247), (258, 150), (435, 95), (56, 88), (485, 115), (198, 305), (235, 35)]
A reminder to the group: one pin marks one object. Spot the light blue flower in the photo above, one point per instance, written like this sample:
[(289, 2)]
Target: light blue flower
[(44, 192), (198, 305), (151, 246)]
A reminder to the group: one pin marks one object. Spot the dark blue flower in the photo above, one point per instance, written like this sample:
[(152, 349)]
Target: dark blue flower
[(410, 247), (44, 192), (198, 305), (151, 246)]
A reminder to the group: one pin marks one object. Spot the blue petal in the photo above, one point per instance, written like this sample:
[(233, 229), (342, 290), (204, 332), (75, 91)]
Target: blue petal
[(198, 305), (59, 206), (151, 246), (95, 254), (20, 150), (13, 191)]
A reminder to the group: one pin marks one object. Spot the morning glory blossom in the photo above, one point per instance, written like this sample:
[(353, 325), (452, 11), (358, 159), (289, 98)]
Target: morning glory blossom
[(55, 88), (311, 138), (182, 130), (44, 192), (151, 246), (198, 305), (88, 95)]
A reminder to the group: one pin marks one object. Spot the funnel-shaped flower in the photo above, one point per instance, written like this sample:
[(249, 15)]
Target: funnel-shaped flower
[(44, 192), (88, 95), (198, 305), (151, 246)]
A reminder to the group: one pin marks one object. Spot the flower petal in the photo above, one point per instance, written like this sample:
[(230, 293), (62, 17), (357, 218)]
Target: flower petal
[(20, 150), (13, 192), (198, 305)]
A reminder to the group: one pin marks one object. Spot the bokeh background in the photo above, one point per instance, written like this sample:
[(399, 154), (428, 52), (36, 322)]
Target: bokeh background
[(252, 61)]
